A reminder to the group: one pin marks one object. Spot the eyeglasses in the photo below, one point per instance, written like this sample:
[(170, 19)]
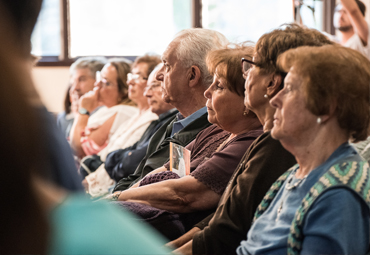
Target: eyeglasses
[(153, 88), (246, 65), (99, 78), (135, 77)]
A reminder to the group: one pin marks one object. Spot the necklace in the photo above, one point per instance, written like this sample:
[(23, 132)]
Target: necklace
[(289, 186)]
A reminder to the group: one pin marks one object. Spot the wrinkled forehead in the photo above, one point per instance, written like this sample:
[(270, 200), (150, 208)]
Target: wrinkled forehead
[(169, 55)]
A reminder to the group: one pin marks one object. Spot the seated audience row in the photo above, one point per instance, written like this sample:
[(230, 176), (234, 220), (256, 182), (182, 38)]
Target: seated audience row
[(311, 97), (215, 153), (122, 162), (112, 107)]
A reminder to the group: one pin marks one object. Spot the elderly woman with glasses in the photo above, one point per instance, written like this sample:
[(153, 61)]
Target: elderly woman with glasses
[(103, 110), (322, 204)]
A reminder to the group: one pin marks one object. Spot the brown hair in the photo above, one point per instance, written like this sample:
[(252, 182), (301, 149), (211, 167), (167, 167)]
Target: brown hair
[(123, 67), (334, 76), (288, 36), (151, 60), (361, 6), (227, 61)]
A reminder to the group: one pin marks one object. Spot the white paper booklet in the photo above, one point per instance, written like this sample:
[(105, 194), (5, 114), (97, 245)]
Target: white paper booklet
[(179, 159)]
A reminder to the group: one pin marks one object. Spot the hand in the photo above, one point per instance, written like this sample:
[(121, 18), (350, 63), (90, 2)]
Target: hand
[(186, 249), (74, 97), (183, 239), (112, 197), (89, 101), (85, 185)]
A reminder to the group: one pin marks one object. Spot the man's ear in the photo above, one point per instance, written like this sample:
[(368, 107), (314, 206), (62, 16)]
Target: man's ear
[(274, 85), (194, 76)]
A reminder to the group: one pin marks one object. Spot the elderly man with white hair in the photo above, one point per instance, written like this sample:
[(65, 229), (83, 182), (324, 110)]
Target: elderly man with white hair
[(184, 78)]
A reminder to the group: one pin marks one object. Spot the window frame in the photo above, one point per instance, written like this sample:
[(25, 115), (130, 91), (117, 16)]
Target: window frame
[(64, 58)]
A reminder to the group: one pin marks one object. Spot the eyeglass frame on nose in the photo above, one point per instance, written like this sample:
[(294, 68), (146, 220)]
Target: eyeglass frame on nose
[(152, 87), (135, 77), (245, 72), (99, 78)]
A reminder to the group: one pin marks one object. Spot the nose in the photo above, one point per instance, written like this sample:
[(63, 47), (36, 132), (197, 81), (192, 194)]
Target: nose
[(75, 86), (159, 76), (148, 93), (207, 93), (276, 100), (131, 82)]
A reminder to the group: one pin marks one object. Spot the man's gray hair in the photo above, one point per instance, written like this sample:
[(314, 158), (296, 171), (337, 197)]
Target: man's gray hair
[(94, 64), (194, 45)]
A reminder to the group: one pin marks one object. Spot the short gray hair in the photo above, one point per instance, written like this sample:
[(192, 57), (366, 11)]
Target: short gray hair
[(94, 64), (194, 45)]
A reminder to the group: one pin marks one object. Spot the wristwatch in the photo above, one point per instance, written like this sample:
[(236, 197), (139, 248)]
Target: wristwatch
[(83, 111)]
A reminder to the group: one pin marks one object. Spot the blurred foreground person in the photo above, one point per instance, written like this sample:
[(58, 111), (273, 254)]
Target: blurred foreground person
[(349, 20), (322, 204), (38, 216)]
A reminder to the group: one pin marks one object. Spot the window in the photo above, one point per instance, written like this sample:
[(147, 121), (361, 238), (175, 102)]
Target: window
[(45, 37), (310, 13), (125, 27), (241, 20), (67, 29)]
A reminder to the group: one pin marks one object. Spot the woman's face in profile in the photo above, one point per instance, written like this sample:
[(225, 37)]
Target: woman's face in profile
[(224, 106), (108, 87), (256, 83), (293, 122)]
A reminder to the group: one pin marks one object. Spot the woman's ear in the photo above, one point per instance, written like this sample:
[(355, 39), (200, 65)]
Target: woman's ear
[(275, 85), (194, 76)]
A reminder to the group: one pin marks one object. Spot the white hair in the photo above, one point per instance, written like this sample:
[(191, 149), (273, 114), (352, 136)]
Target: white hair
[(193, 47), (94, 64)]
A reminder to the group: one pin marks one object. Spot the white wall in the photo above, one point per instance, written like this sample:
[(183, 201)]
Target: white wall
[(52, 84)]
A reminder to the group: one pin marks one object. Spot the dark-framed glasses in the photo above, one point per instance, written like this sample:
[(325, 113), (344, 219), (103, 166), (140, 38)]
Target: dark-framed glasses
[(246, 65), (135, 77)]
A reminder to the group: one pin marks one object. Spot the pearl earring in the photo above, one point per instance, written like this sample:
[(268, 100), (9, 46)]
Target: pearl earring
[(318, 120), (245, 113), (266, 96)]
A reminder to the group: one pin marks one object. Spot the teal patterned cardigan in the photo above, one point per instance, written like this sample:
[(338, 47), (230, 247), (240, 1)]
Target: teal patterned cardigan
[(353, 175)]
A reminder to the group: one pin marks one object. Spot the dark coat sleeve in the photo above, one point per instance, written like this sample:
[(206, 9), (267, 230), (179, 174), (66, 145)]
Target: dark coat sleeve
[(158, 149), (59, 157), (123, 162), (262, 164)]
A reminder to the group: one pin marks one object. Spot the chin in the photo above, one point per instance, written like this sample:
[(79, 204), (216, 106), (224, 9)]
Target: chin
[(275, 133)]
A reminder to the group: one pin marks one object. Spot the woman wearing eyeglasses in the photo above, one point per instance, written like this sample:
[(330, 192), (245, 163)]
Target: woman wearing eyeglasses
[(94, 125), (322, 204), (126, 134)]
